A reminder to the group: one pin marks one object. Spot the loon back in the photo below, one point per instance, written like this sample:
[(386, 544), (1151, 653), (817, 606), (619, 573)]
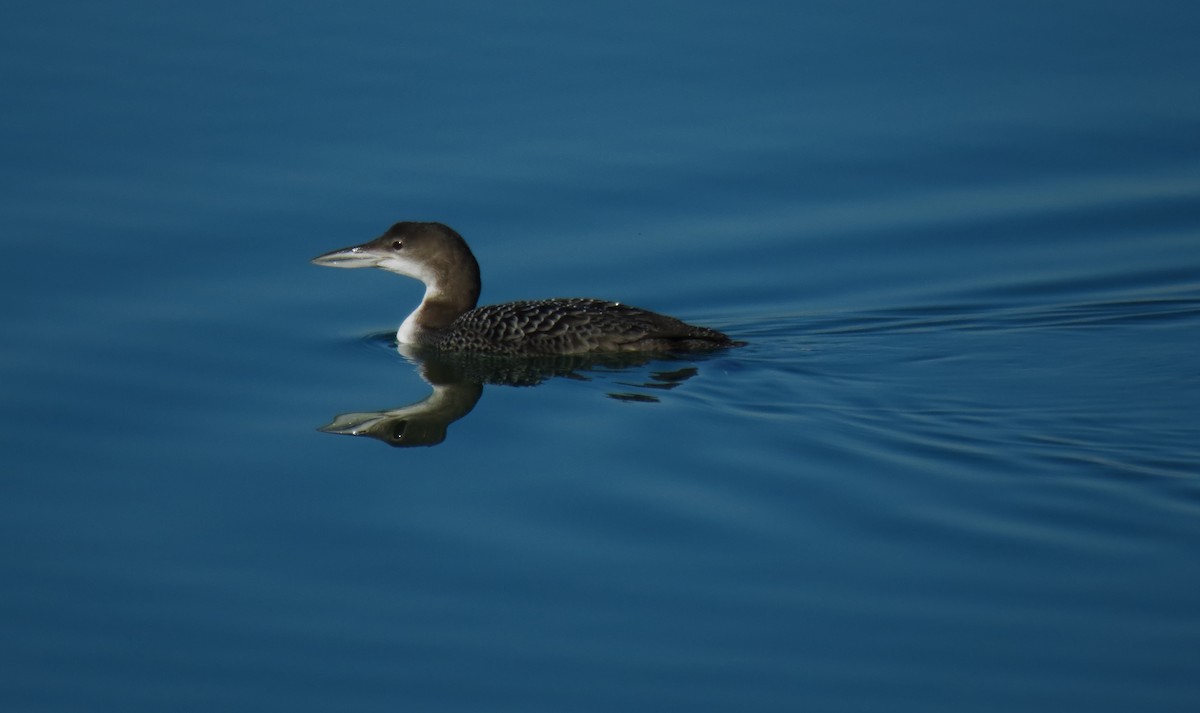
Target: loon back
[(447, 318), (573, 326)]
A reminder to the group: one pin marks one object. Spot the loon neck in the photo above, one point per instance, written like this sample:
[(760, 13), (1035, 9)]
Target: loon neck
[(437, 311)]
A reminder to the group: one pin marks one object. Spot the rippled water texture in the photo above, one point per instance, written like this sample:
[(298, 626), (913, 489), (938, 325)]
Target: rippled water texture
[(954, 469)]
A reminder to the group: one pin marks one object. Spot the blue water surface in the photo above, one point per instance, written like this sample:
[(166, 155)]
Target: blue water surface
[(955, 468)]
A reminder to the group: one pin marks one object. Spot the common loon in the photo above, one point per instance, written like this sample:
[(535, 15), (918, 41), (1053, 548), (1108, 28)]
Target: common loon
[(448, 320)]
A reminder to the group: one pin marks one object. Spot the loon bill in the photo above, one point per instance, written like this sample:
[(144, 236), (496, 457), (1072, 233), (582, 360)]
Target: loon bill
[(447, 318)]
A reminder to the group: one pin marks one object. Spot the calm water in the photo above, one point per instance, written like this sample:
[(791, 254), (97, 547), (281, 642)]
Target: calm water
[(956, 468)]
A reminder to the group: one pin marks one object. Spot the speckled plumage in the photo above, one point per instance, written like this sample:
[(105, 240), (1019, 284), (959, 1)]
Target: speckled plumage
[(571, 326)]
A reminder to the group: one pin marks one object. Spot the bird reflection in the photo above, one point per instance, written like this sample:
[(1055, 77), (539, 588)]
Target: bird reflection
[(458, 379)]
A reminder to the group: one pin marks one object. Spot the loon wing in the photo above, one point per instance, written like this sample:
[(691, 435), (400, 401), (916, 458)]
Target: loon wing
[(574, 325)]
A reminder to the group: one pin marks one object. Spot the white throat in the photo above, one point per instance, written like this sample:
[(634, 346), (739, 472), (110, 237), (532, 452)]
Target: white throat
[(407, 334), (410, 330)]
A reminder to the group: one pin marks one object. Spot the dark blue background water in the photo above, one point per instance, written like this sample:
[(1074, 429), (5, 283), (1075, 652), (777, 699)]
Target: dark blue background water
[(955, 469)]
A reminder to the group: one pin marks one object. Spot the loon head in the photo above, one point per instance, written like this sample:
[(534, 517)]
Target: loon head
[(430, 252)]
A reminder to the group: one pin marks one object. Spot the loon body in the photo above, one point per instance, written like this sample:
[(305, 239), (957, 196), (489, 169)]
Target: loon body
[(447, 318)]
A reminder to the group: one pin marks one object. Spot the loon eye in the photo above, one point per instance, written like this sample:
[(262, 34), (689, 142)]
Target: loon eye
[(397, 245)]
